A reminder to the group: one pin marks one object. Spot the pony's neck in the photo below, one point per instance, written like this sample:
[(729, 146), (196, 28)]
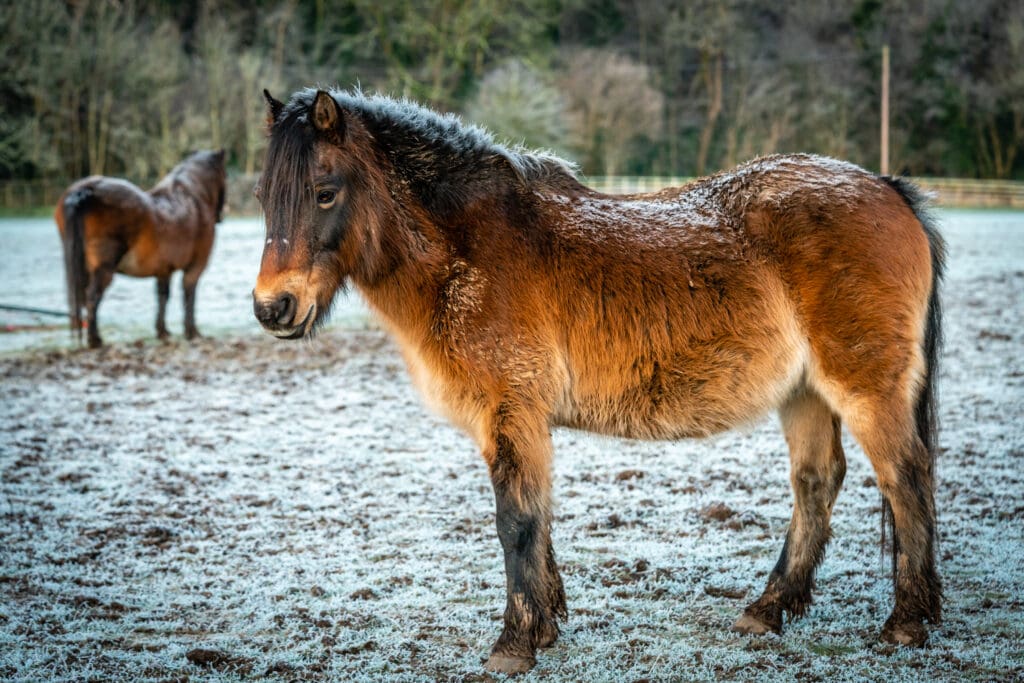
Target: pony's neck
[(412, 258), (191, 183), (405, 299), (445, 166)]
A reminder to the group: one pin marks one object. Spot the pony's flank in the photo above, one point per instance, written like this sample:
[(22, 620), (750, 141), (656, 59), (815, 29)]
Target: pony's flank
[(927, 415)]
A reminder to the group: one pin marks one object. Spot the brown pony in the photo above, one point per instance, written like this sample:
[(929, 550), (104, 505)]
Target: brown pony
[(522, 300), (109, 225)]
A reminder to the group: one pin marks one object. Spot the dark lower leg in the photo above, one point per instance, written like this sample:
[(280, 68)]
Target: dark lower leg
[(790, 582), (98, 282), (917, 585), (163, 291), (536, 598), (189, 287)]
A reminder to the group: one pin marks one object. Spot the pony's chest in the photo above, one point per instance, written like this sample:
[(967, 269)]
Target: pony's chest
[(446, 390)]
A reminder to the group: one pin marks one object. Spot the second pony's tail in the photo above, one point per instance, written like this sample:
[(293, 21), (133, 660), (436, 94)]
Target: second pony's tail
[(76, 205)]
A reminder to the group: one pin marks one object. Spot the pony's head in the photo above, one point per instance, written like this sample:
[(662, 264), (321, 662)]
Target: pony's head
[(317, 190), (355, 186)]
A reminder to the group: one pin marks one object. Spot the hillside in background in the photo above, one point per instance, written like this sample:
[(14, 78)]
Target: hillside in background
[(621, 87)]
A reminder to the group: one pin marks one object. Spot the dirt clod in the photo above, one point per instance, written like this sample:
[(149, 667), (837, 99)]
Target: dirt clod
[(718, 512)]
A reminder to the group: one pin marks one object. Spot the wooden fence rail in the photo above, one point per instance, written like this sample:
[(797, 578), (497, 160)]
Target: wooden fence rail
[(949, 192)]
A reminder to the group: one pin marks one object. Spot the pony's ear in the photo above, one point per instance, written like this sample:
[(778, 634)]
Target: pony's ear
[(274, 107), (327, 117)]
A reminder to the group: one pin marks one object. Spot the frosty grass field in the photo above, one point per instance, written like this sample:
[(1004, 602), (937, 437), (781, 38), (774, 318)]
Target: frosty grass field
[(248, 509)]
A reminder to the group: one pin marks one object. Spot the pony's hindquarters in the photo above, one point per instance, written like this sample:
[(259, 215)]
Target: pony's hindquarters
[(865, 285)]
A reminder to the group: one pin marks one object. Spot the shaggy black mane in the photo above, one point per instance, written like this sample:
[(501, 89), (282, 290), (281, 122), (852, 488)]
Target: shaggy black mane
[(445, 162)]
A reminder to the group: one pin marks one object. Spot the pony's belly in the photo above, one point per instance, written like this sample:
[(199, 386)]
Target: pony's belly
[(132, 264), (641, 418), (688, 410), (696, 396), (637, 425), (148, 258)]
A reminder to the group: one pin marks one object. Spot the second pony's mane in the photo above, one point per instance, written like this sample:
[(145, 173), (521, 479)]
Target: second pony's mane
[(194, 176)]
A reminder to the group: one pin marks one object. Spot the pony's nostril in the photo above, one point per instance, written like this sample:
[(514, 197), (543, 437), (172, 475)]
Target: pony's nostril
[(284, 309), (279, 312)]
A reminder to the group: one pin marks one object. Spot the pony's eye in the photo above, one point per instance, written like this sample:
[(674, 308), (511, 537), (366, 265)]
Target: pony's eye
[(325, 198)]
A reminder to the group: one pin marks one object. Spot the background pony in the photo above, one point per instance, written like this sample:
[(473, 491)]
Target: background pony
[(522, 300), (108, 225)]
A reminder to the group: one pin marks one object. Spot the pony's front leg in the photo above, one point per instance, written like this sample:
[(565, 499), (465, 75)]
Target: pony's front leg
[(520, 466)]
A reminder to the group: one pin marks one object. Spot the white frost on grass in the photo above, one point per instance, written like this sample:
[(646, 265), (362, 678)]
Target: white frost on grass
[(294, 508)]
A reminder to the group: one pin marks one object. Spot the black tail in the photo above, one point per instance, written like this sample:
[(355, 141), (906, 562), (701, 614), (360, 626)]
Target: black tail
[(76, 204), (926, 410)]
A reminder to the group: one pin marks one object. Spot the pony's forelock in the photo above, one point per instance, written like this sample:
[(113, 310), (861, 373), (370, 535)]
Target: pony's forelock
[(285, 185)]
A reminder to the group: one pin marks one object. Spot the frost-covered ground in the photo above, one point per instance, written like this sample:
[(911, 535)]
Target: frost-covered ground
[(246, 509)]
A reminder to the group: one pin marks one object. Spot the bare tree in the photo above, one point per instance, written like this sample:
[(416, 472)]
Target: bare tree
[(613, 102), (522, 106)]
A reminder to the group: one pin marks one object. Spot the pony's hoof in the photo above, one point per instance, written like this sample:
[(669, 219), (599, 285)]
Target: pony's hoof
[(911, 634), (751, 625), (509, 664)]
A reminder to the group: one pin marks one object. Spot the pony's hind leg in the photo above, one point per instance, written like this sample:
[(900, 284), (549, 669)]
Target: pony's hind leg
[(520, 473), (189, 280), (163, 291), (817, 468), (99, 280), (905, 474)]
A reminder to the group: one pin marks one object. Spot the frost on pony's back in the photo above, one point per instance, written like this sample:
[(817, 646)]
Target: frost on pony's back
[(522, 299)]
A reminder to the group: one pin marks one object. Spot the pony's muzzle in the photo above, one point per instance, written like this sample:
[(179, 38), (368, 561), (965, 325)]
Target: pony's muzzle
[(277, 313)]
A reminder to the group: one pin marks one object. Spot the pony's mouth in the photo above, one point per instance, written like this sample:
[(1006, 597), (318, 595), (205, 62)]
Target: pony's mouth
[(301, 329)]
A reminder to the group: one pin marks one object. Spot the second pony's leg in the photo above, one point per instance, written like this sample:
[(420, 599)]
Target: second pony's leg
[(817, 468), (520, 462), (163, 291), (189, 280), (99, 280)]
